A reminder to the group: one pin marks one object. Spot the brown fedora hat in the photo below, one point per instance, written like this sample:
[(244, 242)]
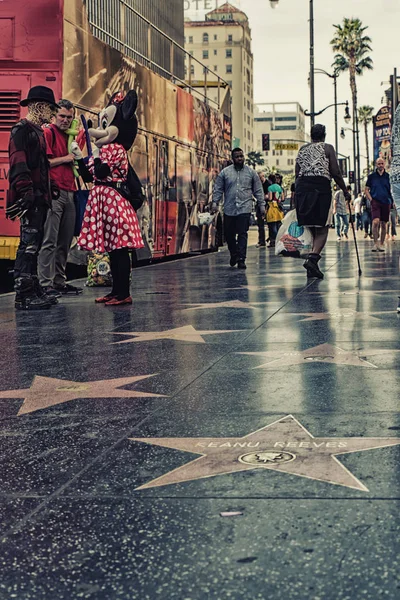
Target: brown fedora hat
[(40, 93)]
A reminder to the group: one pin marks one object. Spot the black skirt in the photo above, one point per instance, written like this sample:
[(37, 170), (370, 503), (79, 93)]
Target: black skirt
[(313, 201)]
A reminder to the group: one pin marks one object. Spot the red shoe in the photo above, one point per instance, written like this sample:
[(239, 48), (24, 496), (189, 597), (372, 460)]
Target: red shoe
[(104, 299), (116, 302)]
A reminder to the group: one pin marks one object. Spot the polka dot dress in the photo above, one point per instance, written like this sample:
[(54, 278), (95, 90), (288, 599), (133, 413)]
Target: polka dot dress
[(109, 222)]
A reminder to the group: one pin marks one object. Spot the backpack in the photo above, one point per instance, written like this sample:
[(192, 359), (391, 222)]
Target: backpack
[(131, 189)]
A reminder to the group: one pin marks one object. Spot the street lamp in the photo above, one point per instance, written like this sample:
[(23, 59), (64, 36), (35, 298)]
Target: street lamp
[(274, 4)]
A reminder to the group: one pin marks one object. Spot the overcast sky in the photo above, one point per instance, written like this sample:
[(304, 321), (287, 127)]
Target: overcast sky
[(281, 52)]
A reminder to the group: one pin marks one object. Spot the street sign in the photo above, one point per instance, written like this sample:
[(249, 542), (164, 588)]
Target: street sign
[(291, 146)]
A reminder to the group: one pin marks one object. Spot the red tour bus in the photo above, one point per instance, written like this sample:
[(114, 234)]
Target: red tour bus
[(182, 143)]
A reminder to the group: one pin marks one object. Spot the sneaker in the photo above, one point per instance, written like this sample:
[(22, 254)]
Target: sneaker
[(241, 264), (380, 249), (339, 239), (375, 248), (68, 289), (51, 292), (31, 303), (233, 261), (261, 245), (116, 302)]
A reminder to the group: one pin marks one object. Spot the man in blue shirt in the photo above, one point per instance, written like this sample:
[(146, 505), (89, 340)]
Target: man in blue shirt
[(238, 183), (379, 194)]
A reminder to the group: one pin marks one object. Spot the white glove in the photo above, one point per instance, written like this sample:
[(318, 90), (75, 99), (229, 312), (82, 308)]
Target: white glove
[(76, 151), (95, 152)]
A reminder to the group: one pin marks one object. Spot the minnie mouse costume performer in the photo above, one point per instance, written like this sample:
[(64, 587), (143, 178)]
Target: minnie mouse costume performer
[(110, 223)]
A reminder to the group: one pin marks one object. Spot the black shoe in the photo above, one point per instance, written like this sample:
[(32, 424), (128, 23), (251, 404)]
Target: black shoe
[(68, 289), (241, 264), (31, 303), (312, 269), (51, 292), (41, 292), (233, 261)]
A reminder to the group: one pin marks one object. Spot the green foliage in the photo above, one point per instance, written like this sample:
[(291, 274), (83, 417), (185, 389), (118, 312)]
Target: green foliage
[(255, 159)]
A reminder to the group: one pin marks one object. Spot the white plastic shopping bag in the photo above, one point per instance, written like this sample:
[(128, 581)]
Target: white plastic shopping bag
[(293, 239)]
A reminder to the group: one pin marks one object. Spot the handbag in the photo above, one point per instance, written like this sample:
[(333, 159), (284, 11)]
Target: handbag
[(274, 213), (80, 198)]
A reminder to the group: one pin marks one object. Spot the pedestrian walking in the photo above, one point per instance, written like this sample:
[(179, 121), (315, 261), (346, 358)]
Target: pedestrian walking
[(316, 165), (29, 196), (341, 212), (60, 221), (274, 212), (366, 216), (357, 212), (237, 184), (379, 194), (261, 217)]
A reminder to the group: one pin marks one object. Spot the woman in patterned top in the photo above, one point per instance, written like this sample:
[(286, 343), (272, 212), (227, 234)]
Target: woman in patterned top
[(316, 165)]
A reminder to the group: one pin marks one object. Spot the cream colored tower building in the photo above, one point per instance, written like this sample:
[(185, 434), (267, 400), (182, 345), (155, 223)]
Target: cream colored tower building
[(223, 43), (285, 123)]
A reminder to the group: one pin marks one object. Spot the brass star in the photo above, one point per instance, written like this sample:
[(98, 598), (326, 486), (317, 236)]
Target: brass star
[(47, 391), (183, 334), (326, 353), (284, 446)]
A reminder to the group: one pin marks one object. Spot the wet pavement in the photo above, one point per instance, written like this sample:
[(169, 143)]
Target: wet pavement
[(232, 435)]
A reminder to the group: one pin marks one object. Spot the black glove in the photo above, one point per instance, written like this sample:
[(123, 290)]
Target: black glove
[(20, 207)]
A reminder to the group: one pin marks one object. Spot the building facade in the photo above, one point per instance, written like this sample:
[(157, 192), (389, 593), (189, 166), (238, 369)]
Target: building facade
[(284, 122), (118, 23), (223, 43)]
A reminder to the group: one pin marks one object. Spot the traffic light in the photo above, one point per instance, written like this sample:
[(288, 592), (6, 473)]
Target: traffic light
[(265, 142), (351, 177)]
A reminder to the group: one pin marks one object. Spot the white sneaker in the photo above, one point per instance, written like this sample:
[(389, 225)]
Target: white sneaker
[(339, 239)]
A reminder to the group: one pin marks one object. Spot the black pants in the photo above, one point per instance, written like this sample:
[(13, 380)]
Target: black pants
[(31, 237), (120, 264), (261, 230), (236, 229), (273, 229)]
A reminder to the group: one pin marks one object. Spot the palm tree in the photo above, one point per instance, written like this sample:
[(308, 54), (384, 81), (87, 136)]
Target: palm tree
[(365, 117), (352, 47), (254, 158)]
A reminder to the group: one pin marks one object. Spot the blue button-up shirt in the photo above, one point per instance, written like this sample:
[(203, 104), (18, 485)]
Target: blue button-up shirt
[(238, 186), (379, 186)]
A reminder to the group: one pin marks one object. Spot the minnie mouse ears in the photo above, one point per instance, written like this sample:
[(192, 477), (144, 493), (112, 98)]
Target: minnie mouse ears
[(128, 103)]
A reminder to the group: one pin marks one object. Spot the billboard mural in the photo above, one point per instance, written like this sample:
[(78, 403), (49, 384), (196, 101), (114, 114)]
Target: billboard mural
[(382, 133)]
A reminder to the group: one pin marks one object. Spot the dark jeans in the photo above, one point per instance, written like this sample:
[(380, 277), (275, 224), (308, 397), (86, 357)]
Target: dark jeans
[(273, 229), (236, 229), (261, 230), (31, 237), (359, 221), (120, 264), (367, 222)]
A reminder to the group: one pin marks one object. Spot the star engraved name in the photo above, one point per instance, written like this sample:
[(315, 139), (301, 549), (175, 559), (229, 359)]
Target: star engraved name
[(333, 444), (284, 446)]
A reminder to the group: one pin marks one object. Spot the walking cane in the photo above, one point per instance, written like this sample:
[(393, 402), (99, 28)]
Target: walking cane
[(355, 239)]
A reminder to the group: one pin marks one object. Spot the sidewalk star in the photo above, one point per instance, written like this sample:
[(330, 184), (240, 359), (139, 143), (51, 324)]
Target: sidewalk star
[(47, 391), (284, 446), (326, 353), (182, 334)]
